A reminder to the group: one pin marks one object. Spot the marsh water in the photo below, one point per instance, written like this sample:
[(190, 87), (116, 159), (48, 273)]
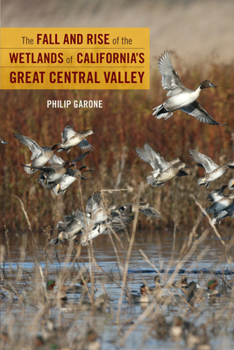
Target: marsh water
[(150, 255)]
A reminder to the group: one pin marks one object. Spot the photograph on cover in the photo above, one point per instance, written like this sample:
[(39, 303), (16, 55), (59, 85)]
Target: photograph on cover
[(117, 174)]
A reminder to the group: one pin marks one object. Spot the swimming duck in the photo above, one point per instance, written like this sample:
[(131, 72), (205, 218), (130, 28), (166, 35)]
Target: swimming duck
[(176, 330), (163, 170), (3, 142), (211, 291), (79, 289), (179, 96), (182, 283), (142, 298), (40, 155), (70, 138), (194, 290), (213, 170), (52, 294), (157, 288)]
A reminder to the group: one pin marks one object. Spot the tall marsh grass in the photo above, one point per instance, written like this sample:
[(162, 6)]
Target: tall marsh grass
[(124, 122)]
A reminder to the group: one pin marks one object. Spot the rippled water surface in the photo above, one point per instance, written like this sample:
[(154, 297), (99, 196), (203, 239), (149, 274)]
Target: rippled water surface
[(150, 255)]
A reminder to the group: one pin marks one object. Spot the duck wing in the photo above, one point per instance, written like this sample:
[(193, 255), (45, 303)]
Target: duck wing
[(67, 133), (44, 169), (170, 78), (82, 217), (200, 158), (230, 210), (93, 202), (3, 142), (216, 195), (182, 173), (56, 160), (31, 144), (149, 210), (196, 110), (82, 156), (158, 160), (96, 231), (85, 145), (148, 155), (119, 221)]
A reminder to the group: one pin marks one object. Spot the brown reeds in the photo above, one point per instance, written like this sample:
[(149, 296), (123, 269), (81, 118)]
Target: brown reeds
[(49, 321), (125, 122)]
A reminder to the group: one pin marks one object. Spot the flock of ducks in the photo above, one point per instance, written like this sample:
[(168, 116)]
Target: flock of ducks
[(192, 291), (101, 218), (163, 171), (58, 175)]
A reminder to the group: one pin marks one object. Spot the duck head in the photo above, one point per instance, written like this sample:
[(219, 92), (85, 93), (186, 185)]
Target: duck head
[(89, 132), (230, 164), (84, 168), (182, 165), (184, 282), (175, 161), (50, 285), (202, 181), (212, 284), (68, 164), (55, 147), (157, 279), (206, 84), (143, 290)]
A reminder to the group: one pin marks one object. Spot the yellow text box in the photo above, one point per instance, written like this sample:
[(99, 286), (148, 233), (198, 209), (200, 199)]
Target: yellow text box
[(75, 58)]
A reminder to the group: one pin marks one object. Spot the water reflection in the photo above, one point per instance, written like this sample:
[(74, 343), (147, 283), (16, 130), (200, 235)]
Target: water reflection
[(161, 253)]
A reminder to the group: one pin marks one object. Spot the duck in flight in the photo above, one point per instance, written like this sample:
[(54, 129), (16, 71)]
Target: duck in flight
[(179, 96), (70, 138), (163, 170), (213, 171)]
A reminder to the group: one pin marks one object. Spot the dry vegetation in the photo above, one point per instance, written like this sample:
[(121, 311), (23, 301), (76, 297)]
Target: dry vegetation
[(125, 122), (99, 316)]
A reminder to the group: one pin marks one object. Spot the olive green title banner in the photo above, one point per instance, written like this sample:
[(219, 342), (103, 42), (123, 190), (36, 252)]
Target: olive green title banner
[(75, 58)]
